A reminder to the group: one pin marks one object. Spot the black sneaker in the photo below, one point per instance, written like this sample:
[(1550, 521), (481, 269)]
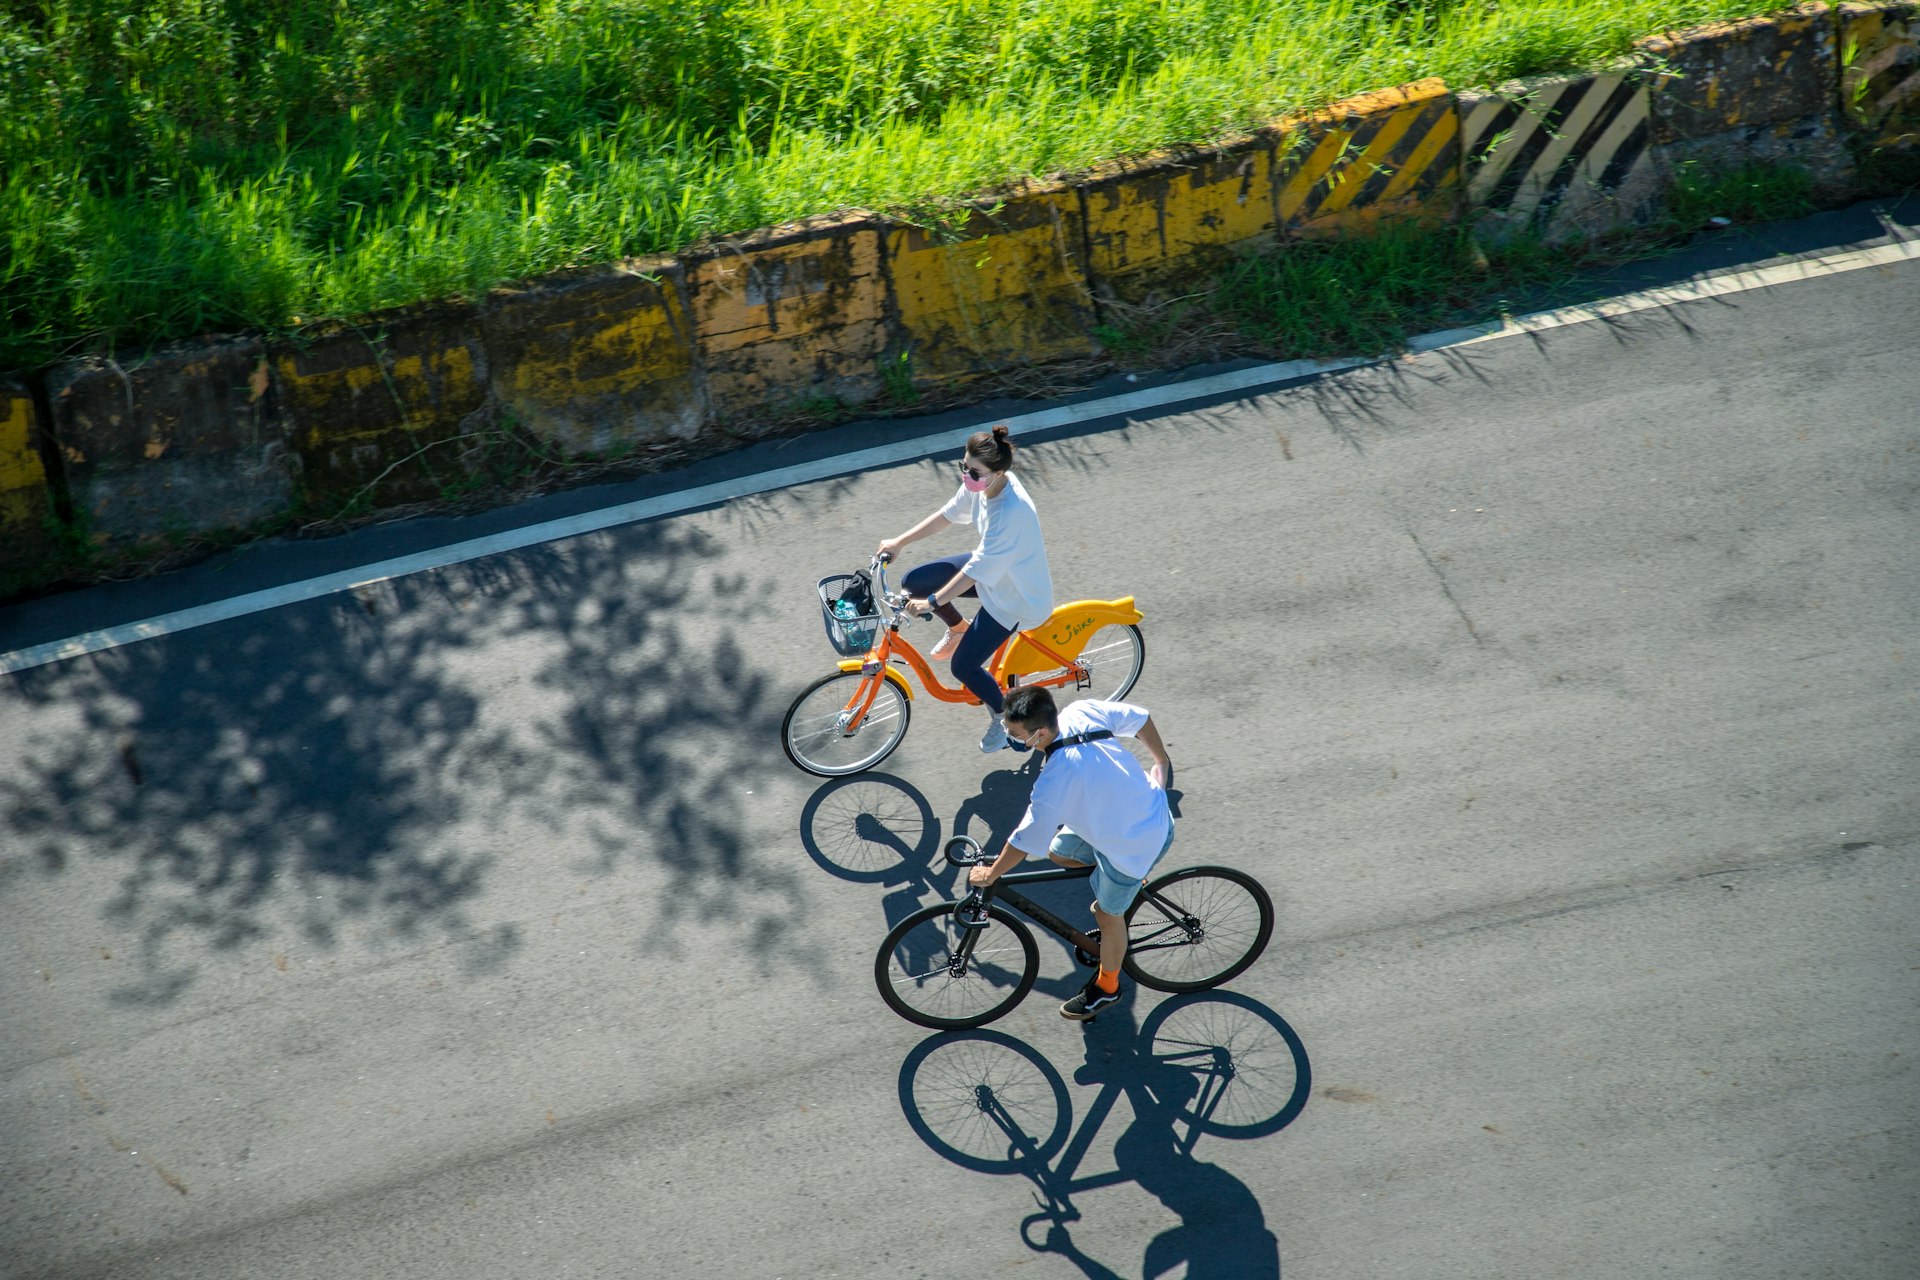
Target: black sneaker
[(1090, 1001)]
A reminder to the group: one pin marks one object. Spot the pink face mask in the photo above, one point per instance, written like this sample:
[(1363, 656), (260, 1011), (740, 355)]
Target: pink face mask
[(972, 483)]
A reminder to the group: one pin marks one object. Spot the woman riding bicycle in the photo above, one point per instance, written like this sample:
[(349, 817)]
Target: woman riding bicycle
[(1007, 570)]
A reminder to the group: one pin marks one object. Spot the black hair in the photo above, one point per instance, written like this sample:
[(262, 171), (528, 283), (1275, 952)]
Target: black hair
[(995, 448), (1032, 705)]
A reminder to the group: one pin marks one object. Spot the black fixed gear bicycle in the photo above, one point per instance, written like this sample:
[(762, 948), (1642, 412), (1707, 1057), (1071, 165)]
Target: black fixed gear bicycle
[(962, 964)]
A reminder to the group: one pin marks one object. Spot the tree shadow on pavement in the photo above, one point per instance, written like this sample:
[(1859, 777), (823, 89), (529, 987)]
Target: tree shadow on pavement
[(345, 774)]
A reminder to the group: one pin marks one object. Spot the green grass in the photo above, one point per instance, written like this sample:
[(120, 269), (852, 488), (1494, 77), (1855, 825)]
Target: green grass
[(169, 167)]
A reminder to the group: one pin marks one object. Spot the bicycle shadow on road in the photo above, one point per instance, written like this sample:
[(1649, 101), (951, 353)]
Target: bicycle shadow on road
[(875, 828), (1215, 1064)]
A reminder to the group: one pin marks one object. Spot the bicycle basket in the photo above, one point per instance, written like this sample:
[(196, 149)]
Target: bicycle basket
[(851, 628)]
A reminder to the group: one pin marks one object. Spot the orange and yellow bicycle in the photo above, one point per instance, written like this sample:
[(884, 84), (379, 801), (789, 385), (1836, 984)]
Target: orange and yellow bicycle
[(851, 720)]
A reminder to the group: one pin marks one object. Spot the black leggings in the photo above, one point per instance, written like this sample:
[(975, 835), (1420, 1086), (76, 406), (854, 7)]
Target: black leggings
[(969, 663)]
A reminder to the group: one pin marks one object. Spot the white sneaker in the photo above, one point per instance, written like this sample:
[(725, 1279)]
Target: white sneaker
[(995, 736), (947, 643)]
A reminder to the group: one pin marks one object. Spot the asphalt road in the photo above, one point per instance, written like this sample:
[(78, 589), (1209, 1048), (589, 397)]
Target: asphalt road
[(1562, 689)]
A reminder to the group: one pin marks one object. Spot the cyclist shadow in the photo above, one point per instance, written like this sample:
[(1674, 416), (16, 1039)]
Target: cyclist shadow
[(1214, 1064), (990, 816)]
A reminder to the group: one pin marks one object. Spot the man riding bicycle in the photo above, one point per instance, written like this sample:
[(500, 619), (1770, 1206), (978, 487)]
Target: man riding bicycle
[(1092, 803)]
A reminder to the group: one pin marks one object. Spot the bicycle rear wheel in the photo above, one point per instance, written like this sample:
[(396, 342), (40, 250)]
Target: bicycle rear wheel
[(1196, 928), (1113, 656), (815, 734), (924, 978)]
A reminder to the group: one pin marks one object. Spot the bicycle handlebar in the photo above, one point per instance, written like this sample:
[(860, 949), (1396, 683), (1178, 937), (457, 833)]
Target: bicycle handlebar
[(892, 599)]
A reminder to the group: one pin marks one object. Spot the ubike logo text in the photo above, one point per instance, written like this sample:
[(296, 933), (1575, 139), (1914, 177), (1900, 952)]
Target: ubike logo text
[(1073, 629)]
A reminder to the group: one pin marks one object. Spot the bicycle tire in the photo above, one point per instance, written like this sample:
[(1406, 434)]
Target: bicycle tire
[(985, 1101), (1230, 910), (809, 733), (1252, 1068), (1116, 653), (912, 968)]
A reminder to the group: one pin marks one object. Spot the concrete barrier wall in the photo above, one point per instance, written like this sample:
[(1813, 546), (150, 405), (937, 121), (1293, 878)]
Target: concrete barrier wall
[(787, 315), (374, 412), (1880, 72), (1761, 90), (1177, 216), (186, 441), (1561, 156), (594, 360), (1392, 152), (1006, 285), (755, 333)]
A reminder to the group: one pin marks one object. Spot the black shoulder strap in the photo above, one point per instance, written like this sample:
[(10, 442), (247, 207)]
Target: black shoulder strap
[(1092, 735)]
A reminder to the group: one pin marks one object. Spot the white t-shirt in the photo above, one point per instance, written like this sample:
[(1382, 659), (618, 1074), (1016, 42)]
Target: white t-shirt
[(1099, 791), (1009, 567)]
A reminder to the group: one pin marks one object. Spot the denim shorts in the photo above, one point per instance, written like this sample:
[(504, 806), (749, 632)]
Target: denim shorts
[(1112, 891)]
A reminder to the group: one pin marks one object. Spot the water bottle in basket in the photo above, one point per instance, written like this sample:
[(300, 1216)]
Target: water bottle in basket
[(846, 600)]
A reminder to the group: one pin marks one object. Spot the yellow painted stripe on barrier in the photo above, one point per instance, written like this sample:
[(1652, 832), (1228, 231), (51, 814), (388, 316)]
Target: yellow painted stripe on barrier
[(1370, 150), (26, 499), (1348, 181), (1333, 145), (20, 466), (1445, 133), (794, 314)]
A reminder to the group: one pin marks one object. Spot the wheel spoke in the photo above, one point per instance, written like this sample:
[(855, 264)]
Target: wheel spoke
[(1196, 928), (815, 736), (915, 973)]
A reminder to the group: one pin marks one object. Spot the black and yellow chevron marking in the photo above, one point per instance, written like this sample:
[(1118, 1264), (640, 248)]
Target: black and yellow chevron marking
[(1407, 149), (1880, 85), (1524, 153)]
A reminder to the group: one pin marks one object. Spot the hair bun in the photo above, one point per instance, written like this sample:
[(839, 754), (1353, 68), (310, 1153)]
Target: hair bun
[(995, 448)]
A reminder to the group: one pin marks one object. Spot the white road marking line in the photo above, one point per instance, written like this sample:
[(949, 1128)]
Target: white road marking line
[(927, 446), (1671, 295)]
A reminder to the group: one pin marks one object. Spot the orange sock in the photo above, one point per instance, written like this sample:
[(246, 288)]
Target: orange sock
[(1109, 980)]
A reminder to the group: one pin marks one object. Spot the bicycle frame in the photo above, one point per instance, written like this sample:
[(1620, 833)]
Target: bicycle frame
[(1019, 654), (1003, 890), (975, 903)]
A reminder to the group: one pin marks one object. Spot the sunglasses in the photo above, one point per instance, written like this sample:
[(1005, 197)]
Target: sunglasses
[(971, 474)]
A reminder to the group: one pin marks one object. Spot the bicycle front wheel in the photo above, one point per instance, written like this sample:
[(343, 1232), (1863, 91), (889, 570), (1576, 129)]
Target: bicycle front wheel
[(1196, 928), (1113, 656), (985, 1101), (933, 972), (815, 732)]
